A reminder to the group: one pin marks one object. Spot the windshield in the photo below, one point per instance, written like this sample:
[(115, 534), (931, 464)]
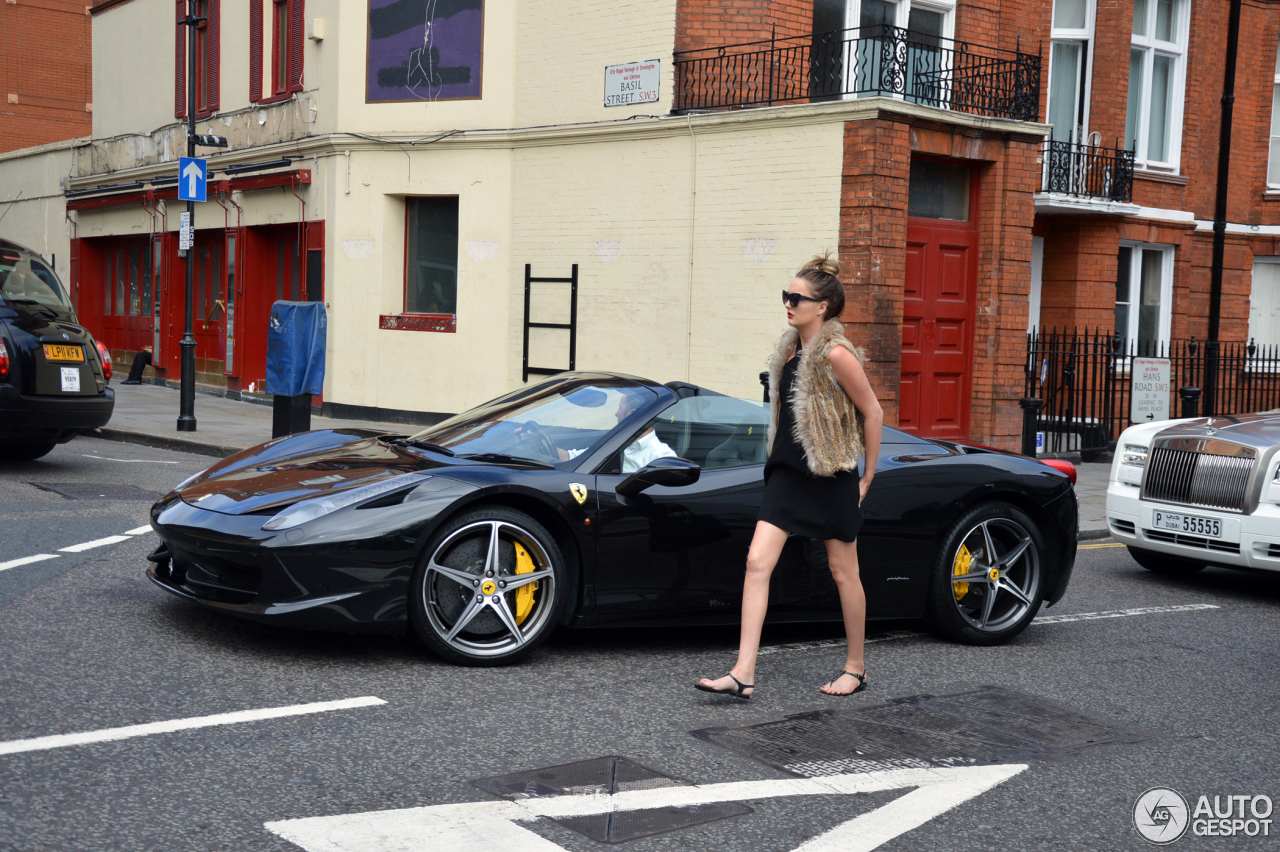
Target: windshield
[(26, 280), (550, 423)]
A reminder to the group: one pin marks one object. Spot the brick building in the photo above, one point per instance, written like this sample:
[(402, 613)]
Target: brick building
[(1152, 231), (409, 177), (45, 72)]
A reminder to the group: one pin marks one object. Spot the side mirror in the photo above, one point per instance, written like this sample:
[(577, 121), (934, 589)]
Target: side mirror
[(671, 472)]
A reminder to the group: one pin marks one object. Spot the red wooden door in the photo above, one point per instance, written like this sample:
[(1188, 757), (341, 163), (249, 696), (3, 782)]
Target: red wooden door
[(937, 322), (209, 319)]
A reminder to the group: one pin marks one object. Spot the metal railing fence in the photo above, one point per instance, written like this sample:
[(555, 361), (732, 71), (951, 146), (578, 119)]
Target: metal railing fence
[(1088, 171), (869, 61), (1085, 380)]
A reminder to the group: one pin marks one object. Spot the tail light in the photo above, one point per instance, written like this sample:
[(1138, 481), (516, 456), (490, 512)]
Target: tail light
[(4, 360), (105, 357), (1063, 465)]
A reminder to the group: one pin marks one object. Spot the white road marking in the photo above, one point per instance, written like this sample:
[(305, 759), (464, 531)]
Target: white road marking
[(1121, 613), (109, 734), (90, 545), (491, 826), (27, 560), (129, 461), (139, 530)]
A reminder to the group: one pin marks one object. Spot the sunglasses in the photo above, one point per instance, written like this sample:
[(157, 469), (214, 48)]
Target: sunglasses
[(793, 300)]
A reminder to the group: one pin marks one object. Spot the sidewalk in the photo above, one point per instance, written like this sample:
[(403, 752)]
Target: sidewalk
[(148, 414)]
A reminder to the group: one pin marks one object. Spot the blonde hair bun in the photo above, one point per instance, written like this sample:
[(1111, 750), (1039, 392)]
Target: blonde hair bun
[(823, 263)]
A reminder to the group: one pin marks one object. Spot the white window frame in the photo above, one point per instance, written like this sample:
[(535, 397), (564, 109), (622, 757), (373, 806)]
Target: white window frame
[(1275, 129), (901, 15), (1037, 279), (1135, 286), (1071, 34), (1176, 49), (1253, 330)]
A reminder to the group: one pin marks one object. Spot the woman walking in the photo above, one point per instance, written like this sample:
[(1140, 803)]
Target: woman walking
[(824, 413)]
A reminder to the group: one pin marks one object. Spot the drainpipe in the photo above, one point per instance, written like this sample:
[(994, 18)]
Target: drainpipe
[(1220, 211)]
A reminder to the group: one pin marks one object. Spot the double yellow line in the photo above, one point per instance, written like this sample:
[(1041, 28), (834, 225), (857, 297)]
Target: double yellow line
[(1098, 546)]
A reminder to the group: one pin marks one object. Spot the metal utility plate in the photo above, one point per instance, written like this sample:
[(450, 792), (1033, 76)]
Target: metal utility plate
[(986, 725), (97, 491), (603, 776)]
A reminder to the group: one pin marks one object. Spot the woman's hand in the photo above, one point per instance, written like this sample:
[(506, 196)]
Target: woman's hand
[(864, 485)]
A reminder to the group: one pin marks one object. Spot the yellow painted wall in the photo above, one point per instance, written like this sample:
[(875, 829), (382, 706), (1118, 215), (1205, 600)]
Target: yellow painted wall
[(133, 68), (415, 370), (563, 47), (766, 200), (32, 209)]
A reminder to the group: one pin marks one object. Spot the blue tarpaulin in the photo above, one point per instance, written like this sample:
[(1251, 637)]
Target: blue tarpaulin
[(296, 348)]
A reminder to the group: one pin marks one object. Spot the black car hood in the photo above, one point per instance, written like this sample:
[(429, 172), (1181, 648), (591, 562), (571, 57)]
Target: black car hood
[(278, 473)]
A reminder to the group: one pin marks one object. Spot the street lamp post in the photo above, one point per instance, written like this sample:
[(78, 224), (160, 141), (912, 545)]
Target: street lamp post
[(187, 392)]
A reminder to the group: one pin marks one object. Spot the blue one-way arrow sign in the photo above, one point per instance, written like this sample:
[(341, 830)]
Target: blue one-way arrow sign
[(192, 172)]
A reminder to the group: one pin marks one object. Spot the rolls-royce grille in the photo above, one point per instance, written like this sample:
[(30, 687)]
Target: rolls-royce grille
[(1192, 541), (1198, 479)]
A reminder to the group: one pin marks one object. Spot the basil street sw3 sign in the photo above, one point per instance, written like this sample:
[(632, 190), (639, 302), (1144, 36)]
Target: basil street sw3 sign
[(632, 83)]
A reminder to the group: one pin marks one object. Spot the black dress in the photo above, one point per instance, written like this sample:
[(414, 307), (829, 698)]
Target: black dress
[(796, 500)]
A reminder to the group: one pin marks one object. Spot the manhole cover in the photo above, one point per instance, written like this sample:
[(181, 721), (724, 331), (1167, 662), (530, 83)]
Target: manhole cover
[(986, 725), (97, 491), (604, 776)]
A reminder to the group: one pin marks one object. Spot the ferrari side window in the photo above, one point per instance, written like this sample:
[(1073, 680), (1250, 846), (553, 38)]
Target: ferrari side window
[(716, 432)]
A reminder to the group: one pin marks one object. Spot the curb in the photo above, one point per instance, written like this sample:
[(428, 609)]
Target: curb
[(181, 445), (1086, 535)]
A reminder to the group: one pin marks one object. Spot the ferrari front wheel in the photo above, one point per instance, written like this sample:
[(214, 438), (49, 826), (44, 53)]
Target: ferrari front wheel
[(988, 582), (488, 588)]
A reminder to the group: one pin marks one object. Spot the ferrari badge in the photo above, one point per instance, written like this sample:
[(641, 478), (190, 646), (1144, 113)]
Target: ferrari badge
[(579, 492)]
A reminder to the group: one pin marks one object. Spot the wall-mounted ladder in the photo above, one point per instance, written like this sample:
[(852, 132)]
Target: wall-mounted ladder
[(571, 326)]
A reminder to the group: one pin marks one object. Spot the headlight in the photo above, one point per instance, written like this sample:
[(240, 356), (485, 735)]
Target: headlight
[(309, 510), (190, 479), (1135, 455)]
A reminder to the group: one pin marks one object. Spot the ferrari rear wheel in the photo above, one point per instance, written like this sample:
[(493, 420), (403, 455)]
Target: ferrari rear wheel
[(989, 579), (488, 588)]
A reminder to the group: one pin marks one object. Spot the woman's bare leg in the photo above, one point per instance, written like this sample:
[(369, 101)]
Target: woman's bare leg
[(842, 556), (766, 548)]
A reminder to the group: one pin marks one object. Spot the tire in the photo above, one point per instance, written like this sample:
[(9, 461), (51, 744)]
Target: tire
[(26, 452), (457, 607), (980, 609), (1170, 566)]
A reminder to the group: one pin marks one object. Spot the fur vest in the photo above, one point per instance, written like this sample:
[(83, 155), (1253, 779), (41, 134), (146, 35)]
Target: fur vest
[(828, 425)]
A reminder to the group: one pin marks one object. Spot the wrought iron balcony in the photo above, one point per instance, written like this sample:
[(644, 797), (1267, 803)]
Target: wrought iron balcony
[(1088, 171), (871, 61)]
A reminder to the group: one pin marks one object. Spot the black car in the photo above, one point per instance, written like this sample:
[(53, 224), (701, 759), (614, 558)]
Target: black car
[(53, 374), (557, 504)]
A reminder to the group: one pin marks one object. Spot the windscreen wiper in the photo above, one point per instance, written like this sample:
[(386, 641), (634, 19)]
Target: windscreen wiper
[(425, 445), (52, 313), (507, 458)]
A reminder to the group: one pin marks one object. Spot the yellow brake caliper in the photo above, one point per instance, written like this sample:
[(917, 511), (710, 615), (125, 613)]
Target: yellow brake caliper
[(963, 558), (524, 594)]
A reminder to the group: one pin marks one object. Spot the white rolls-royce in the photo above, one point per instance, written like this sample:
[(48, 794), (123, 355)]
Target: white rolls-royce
[(1189, 493)]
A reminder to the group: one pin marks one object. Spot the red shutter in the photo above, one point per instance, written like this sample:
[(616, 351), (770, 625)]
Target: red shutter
[(255, 51), (215, 51), (180, 62), (295, 45)]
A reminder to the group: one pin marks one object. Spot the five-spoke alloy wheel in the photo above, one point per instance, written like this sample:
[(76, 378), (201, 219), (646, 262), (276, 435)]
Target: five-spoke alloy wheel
[(989, 580), (487, 590)]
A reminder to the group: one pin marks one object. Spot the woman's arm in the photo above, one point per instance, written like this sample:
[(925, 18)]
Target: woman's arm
[(853, 379)]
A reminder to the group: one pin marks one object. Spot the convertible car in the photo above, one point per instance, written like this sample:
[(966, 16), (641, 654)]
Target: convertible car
[(596, 499)]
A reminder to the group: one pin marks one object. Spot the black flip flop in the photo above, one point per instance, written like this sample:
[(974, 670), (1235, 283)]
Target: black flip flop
[(862, 678), (735, 693)]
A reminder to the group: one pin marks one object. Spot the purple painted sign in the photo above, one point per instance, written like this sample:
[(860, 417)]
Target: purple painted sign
[(424, 50)]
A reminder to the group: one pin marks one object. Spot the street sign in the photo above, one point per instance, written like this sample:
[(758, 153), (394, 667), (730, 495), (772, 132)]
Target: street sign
[(192, 172), (186, 233), (632, 83), (1151, 389)]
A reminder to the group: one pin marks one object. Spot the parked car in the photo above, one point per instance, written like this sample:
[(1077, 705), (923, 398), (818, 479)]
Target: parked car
[(482, 533), (1189, 493), (53, 374)]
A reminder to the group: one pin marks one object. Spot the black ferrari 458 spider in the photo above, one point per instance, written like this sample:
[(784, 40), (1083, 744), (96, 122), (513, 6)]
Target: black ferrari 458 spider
[(595, 499)]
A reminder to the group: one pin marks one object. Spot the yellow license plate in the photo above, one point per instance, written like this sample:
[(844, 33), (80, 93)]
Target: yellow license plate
[(58, 352)]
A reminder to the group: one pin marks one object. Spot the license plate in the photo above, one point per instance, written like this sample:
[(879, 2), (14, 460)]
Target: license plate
[(1189, 524), (71, 380), (58, 352)]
